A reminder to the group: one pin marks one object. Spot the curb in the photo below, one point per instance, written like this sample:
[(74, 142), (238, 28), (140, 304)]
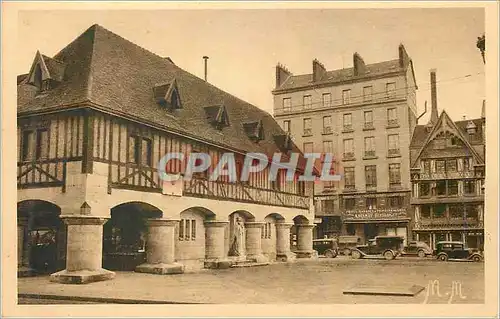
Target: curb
[(103, 300)]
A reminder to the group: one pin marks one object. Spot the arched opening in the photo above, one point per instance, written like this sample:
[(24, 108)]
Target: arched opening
[(297, 220), (269, 235), (190, 237), (235, 234), (42, 236), (124, 235)]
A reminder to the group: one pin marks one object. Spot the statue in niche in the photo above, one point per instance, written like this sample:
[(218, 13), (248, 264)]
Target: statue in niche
[(237, 247)]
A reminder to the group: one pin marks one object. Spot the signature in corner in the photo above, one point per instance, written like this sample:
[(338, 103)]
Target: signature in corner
[(433, 289)]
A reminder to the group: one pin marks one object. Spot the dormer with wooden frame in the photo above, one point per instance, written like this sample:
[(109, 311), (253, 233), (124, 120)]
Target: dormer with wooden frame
[(45, 72), (167, 95), (254, 130), (217, 116)]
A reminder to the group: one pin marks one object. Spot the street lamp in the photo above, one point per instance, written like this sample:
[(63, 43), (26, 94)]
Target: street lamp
[(481, 45)]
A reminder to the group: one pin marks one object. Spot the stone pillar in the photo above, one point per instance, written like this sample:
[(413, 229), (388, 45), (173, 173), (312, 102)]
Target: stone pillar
[(84, 251), (160, 248), (215, 245), (283, 252), (23, 254), (253, 239), (304, 241)]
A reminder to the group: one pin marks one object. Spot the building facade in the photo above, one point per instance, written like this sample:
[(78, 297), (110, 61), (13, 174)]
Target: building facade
[(94, 122), (447, 174), (364, 116)]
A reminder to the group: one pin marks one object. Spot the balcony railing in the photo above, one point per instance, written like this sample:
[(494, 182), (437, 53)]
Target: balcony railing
[(444, 222), (243, 193), (348, 156), (41, 174), (393, 152), (377, 97), (445, 175)]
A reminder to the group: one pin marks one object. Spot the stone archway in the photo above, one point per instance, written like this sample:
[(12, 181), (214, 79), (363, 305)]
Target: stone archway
[(190, 239), (42, 237), (125, 235)]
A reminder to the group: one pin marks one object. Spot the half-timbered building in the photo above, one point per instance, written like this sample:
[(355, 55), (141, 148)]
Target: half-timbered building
[(94, 121), (447, 173)]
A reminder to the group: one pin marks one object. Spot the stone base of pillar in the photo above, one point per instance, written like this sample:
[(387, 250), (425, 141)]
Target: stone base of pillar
[(161, 269), (257, 258), (25, 272), (218, 263), (286, 257), (312, 254), (81, 276)]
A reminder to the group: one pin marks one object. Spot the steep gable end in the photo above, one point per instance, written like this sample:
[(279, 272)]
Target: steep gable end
[(443, 132)]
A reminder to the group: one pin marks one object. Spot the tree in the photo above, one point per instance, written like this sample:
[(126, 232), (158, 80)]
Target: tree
[(481, 45)]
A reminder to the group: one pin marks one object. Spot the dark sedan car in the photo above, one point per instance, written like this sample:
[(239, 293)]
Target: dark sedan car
[(446, 250), (326, 247), (417, 248)]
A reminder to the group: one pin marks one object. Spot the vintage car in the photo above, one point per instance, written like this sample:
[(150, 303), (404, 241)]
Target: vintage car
[(387, 246), (347, 243), (417, 248), (446, 250), (326, 247)]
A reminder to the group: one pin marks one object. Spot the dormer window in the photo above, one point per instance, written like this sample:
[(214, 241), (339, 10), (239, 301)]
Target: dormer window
[(217, 116), (167, 95), (471, 128), (45, 72), (254, 130), (284, 142)]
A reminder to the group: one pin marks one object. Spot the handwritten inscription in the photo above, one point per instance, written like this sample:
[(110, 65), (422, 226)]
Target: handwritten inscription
[(433, 291)]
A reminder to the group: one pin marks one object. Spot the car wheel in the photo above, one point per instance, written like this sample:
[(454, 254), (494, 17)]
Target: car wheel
[(388, 255), (355, 254), (477, 258), (421, 253), (346, 251), (329, 254), (443, 257)]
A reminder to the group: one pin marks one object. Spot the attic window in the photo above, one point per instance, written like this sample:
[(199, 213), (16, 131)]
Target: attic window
[(167, 95), (283, 141), (254, 130), (217, 116), (471, 128), (45, 72)]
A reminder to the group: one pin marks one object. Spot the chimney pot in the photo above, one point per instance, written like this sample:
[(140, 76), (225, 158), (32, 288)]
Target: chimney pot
[(434, 110)]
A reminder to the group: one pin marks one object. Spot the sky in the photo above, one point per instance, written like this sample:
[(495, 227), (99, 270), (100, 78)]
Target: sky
[(244, 46)]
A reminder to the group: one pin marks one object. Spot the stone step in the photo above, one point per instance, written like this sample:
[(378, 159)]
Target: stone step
[(242, 264)]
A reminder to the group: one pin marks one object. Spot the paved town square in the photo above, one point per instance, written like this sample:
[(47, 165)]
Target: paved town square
[(312, 282)]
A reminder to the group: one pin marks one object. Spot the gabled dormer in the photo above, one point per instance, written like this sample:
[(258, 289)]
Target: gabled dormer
[(45, 72), (254, 130), (167, 95), (217, 116), (283, 141)]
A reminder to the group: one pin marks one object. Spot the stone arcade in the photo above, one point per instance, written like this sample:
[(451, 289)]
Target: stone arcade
[(94, 121)]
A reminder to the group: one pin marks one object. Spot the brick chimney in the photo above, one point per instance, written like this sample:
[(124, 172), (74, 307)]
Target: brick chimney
[(404, 59), (359, 64), (434, 110), (282, 74), (319, 71)]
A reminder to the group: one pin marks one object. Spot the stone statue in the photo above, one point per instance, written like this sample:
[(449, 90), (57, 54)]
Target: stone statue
[(238, 240)]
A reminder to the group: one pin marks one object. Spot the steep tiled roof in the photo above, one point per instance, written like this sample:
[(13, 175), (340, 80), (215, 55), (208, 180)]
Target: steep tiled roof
[(341, 75), (118, 76)]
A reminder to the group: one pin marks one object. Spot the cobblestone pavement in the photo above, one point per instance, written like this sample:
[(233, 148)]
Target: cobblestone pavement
[(319, 281)]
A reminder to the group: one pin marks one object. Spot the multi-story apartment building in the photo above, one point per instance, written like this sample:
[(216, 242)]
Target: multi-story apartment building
[(447, 174), (365, 116), (94, 122)]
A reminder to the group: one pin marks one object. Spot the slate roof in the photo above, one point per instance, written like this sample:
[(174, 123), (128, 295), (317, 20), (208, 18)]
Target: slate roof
[(341, 75), (118, 76)]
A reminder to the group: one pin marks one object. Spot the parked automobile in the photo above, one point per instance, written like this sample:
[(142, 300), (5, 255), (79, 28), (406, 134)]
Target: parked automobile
[(387, 246), (417, 248), (326, 247), (347, 243), (446, 250)]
